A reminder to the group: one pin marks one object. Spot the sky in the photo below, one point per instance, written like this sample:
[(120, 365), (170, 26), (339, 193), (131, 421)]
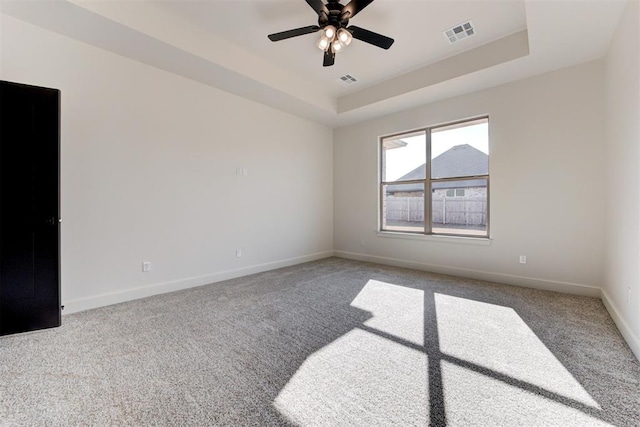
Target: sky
[(400, 161)]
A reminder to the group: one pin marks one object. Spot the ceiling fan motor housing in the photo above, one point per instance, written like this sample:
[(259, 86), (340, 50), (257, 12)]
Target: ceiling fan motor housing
[(335, 16)]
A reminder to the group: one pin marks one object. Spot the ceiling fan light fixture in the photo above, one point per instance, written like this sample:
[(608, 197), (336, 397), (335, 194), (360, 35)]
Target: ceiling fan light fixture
[(344, 36), (323, 43), (330, 32), (337, 33)]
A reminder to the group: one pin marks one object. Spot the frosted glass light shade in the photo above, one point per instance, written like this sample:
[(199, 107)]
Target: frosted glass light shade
[(344, 36), (329, 32), (323, 43)]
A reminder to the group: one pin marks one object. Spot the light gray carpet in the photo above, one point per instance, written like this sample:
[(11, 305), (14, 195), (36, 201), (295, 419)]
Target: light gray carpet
[(328, 343)]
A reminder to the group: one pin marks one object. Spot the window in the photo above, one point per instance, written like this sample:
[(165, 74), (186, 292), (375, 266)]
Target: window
[(455, 192), (436, 180)]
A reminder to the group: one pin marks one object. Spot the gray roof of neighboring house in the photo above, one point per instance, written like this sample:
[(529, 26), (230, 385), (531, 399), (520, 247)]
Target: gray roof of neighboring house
[(461, 160)]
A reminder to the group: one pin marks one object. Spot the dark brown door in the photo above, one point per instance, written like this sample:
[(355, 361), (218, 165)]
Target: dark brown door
[(29, 208)]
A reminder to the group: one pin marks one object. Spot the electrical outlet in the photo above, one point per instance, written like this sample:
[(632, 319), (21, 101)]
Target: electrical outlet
[(628, 295), (146, 266), (523, 259), (238, 253), (362, 242)]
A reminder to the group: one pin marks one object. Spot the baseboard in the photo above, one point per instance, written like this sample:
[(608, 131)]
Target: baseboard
[(74, 306), (527, 282), (623, 327)]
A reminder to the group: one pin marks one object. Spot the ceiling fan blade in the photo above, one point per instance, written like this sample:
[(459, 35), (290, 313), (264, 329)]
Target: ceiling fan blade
[(370, 37), (329, 57), (353, 7), (276, 37), (318, 6)]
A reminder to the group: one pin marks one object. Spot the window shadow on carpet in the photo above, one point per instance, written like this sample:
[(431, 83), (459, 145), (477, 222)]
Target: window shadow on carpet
[(439, 350)]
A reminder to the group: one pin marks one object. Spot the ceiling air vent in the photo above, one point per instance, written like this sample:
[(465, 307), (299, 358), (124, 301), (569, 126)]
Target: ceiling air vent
[(347, 79), (460, 31)]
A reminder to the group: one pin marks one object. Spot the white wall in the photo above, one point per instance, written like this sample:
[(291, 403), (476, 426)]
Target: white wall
[(547, 184), (622, 118), (149, 173)]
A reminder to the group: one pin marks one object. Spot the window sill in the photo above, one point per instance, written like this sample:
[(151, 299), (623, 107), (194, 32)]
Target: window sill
[(467, 240)]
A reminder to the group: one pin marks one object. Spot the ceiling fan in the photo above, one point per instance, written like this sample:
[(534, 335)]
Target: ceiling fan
[(333, 20)]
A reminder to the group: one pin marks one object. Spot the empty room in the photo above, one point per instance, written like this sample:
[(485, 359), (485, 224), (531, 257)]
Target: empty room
[(319, 213)]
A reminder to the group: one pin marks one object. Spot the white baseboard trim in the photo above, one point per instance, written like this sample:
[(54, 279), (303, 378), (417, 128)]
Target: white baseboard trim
[(81, 304), (623, 327), (527, 282)]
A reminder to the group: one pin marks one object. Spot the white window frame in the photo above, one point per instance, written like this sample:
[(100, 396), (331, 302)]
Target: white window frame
[(427, 182)]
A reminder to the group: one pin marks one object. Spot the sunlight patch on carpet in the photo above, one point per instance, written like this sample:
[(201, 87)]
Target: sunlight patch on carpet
[(496, 337), (474, 399), (358, 379), (396, 310)]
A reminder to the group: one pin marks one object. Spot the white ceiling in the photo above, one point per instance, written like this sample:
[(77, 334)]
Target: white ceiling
[(223, 43), (416, 27)]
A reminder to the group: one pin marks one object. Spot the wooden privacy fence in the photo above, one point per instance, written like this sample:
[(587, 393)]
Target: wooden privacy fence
[(445, 210)]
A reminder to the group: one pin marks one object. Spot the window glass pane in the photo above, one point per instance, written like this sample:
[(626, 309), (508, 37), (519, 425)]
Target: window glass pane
[(460, 150), (462, 215), (404, 157), (403, 207)]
